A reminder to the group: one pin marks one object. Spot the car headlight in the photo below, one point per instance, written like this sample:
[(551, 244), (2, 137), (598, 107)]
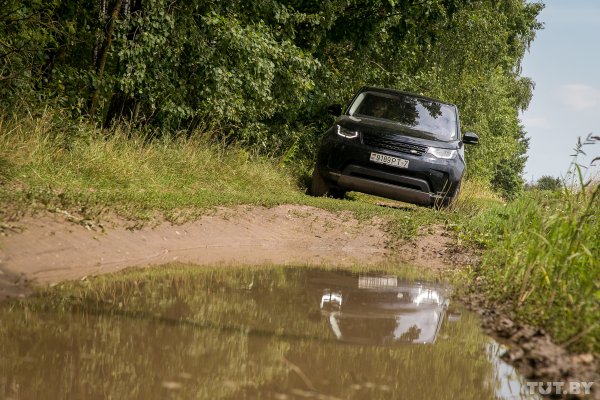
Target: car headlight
[(441, 153), (345, 132)]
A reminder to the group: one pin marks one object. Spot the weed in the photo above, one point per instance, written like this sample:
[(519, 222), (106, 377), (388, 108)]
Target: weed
[(543, 258)]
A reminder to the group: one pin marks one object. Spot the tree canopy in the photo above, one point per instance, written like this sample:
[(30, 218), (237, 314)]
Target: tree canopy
[(262, 72)]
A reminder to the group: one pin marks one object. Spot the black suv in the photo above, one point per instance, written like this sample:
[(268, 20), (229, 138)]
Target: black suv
[(393, 144)]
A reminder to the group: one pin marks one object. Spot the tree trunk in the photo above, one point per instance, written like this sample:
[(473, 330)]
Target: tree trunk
[(101, 64), (122, 106)]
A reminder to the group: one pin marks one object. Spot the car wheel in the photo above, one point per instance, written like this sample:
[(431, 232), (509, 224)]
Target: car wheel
[(456, 192), (336, 193), (449, 201), (318, 186)]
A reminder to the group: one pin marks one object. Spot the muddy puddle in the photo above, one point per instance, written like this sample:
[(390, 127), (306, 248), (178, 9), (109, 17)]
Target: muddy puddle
[(282, 333)]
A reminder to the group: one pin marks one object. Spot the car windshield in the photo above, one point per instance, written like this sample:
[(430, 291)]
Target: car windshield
[(425, 115)]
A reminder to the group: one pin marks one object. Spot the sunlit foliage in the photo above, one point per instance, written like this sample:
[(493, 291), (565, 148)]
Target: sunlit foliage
[(262, 72)]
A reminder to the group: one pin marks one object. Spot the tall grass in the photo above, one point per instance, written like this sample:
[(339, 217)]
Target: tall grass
[(474, 197), (48, 157), (543, 259), (55, 163)]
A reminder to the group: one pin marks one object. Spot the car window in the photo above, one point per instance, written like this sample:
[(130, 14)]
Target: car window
[(430, 116)]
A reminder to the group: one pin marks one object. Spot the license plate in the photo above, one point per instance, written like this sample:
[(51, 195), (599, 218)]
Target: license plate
[(373, 282), (389, 160)]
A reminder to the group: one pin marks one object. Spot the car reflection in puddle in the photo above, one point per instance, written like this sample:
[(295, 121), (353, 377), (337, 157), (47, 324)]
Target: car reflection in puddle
[(271, 333), (382, 310)]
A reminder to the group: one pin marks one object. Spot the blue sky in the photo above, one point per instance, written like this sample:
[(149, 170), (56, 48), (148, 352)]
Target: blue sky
[(564, 62)]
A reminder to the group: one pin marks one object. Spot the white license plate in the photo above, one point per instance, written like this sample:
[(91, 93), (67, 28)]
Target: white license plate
[(373, 282), (389, 160)]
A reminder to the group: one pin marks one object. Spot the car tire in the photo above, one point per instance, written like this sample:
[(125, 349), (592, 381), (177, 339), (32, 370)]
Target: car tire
[(456, 192), (318, 186), (449, 201), (336, 193)]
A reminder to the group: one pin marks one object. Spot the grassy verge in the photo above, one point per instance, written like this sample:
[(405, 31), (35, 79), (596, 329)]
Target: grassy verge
[(543, 262), (51, 164)]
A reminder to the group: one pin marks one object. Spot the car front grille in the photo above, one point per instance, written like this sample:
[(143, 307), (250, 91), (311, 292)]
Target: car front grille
[(392, 142)]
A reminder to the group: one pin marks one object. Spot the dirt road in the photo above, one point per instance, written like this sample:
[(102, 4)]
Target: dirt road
[(54, 247), (50, 248)]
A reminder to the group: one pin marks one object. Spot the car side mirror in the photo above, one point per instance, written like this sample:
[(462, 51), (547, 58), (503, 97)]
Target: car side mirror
[(335, 109), (470, 138)]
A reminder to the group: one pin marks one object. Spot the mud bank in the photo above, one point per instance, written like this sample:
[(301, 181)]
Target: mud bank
[(532, 351)]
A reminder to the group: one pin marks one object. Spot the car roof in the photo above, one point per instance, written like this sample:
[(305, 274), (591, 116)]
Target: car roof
[(395, 91)]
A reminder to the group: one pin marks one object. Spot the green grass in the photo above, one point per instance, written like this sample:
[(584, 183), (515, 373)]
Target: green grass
[(543, 262), (49, 163), (124, 170)]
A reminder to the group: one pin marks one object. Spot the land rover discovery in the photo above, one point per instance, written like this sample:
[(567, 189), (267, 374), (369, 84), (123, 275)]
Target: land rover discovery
[(393, 144)]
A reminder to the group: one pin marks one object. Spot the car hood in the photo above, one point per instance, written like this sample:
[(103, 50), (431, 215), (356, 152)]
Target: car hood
[(373, 125)]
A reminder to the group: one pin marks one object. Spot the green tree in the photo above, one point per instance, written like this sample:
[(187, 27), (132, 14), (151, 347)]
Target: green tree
[(27, 31), (261, 73), (548, 182)]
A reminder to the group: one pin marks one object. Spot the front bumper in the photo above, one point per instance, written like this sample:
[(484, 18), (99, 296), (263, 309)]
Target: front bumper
[(382, 189), (346, 164)]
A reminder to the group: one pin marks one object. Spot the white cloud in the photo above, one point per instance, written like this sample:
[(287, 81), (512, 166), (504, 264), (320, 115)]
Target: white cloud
[(580, 97)]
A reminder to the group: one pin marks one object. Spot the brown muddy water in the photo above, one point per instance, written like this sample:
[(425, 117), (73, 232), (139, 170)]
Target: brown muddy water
[(278, 333)]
